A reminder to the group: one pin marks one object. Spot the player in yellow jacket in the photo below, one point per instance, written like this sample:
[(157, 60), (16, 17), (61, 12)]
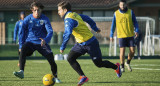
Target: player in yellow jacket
[(127, 27), (86, 42)]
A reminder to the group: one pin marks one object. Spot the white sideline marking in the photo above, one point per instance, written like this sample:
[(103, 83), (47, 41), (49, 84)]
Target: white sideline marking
[(145, 68), (145, 65)]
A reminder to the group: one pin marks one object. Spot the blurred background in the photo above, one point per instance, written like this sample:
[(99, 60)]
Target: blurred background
[(147, 13)]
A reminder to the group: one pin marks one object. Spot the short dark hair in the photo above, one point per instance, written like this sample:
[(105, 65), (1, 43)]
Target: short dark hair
[(123, 1), (39, 5), (65, 5), (22, 13)]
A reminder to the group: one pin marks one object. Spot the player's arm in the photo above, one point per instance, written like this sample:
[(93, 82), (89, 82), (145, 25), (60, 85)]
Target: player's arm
[(49, 31), (16, 31), (69, 25), (113, 26), (24, 32), (135, 23), (90, 22)]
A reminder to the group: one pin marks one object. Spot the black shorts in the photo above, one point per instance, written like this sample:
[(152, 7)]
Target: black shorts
[(31, 47), (126, 42)]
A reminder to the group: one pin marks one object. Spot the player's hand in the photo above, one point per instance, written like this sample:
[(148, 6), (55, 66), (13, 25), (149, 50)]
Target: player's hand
[(111, 39), (43, 42), (136, 34), (98, 31), (61, 51)]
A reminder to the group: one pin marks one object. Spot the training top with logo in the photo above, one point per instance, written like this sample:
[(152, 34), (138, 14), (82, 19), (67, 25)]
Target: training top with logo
[(35, 28)]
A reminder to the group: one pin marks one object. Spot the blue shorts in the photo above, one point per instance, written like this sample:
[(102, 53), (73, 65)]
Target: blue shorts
[(92, 49), (43, 50), (126, 42)]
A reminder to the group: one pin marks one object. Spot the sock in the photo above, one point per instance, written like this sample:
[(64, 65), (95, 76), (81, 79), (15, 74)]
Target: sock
[(122, 65), (83, 75), (128, 61)]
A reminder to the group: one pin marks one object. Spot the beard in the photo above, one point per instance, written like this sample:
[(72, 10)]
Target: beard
[(124, 9)]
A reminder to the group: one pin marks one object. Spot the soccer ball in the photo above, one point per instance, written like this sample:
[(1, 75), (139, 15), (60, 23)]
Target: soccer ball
[(48, 80)]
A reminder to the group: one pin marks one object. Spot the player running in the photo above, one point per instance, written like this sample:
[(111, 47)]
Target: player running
[(37, 32), (86, 42), (125, 21)]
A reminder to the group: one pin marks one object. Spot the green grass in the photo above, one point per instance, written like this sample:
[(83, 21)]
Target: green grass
[(36, 69)]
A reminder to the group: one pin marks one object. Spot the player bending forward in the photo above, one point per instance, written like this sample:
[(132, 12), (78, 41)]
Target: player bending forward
[(86, 42), (37, 33)]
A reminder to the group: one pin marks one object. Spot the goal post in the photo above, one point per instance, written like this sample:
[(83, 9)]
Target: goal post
[(146, 27)]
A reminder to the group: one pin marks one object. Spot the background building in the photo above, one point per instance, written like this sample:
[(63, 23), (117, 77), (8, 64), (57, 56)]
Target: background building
[(9, 13)]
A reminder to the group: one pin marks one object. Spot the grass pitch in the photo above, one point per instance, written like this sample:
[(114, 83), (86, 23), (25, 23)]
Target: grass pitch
[(145, 73)]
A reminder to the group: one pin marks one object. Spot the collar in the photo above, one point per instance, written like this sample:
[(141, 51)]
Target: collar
[(66, 13), (123, 11)]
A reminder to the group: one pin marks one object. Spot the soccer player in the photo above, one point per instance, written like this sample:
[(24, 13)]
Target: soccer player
[(37, 32), (18, 30), (86, 42), (137, 43), (125, 21)]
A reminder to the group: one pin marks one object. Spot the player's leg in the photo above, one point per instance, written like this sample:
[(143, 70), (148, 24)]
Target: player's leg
[(27, 54), (138, 50), (96, 55), (130, 56), (26, 48), (122, 45), (72, 56), (19, 51), (131, 53), (76, 52), (47, 53), (122, 58)]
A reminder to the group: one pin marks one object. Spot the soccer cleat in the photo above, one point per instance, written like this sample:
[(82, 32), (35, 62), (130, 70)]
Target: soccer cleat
[(118, 70), (122, 70), (19, 74), (129, 67), (80, 77), (57, 80), (83, 80)]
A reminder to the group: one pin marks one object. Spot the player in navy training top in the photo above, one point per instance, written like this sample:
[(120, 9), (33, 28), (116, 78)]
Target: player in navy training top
[(36, 34)]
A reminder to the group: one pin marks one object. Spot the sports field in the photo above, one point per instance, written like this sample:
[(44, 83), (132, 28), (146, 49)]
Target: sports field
[(146, 72)]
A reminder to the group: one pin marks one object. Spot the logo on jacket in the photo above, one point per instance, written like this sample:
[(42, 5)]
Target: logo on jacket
[(123, 20), (20, 23), (30, 21), (41, 22)]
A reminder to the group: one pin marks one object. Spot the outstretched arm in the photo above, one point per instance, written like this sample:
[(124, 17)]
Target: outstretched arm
[(69, 25)]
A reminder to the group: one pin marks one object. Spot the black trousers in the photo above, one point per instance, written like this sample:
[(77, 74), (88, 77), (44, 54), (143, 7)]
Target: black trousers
[(98, 62), (28, 48)]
